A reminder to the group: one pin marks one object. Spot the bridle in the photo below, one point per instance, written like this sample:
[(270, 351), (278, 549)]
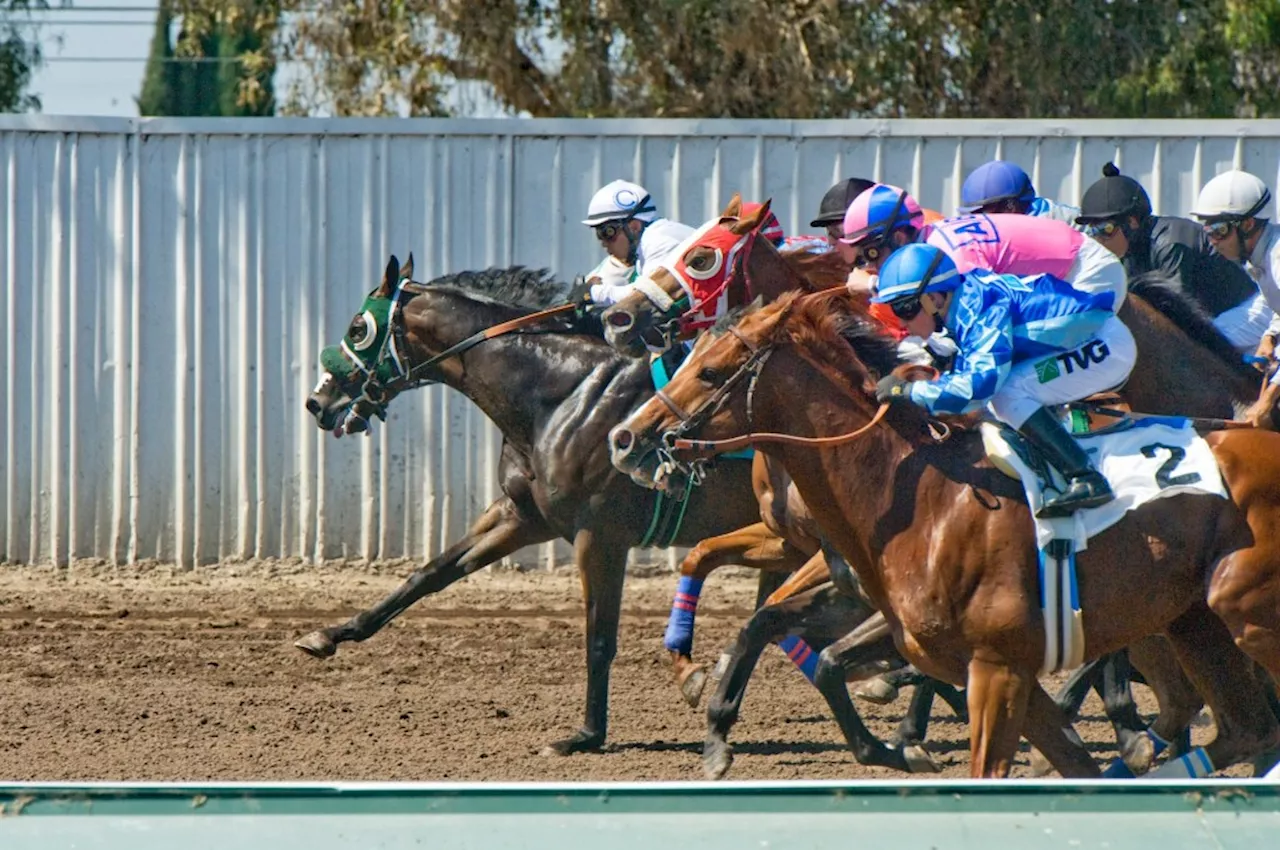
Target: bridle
[(375, 395), (675, 320)]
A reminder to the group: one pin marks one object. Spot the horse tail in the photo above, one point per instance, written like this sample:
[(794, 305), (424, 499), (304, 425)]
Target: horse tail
[(1158, 290)]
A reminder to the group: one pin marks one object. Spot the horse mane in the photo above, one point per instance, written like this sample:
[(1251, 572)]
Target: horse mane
[(821, 270), (517, 286), (1166, 298)]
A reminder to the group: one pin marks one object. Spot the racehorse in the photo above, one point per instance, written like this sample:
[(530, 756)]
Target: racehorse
[(554, 392), (944, 543), (1206, 379)]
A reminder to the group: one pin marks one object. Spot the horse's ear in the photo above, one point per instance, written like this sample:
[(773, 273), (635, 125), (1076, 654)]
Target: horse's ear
[(751, 222), (406, 271), (734, 209), (390, 277)]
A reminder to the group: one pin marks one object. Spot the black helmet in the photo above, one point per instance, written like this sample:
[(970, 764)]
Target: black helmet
[(836, 202), (1113, 196)]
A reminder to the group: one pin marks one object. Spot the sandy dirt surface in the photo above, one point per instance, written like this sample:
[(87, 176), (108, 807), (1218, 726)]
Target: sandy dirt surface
[(150, 673)]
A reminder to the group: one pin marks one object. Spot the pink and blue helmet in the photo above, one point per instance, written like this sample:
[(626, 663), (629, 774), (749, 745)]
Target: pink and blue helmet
[(877, 212), (913, 270)]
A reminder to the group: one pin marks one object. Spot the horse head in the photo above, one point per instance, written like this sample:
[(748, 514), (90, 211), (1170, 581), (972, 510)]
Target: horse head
[(359, 375), (670, 303), (722, 392)]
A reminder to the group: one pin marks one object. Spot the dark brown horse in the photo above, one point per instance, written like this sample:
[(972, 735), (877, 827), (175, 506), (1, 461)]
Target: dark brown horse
[(944, 543), (554, 393)]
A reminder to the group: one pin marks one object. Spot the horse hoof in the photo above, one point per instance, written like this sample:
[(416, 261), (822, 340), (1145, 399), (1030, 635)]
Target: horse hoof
[(1203, 718), (919, 761), (722, 665), (717, 758), (876, 691), (580, 742), (317, 645), (1040, 765), (693, 685), (1139, 755)]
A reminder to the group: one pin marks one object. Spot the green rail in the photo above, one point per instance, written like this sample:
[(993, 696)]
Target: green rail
[(939, 815)]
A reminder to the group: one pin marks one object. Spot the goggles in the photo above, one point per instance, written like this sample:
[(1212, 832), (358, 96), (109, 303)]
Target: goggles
[(1102, 229)]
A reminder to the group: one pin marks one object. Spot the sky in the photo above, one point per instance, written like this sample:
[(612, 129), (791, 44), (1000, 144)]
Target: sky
[(114, 35), (96, 52)]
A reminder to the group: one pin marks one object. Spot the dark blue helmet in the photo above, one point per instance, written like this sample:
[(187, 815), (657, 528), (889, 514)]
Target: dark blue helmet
[(993, 182)]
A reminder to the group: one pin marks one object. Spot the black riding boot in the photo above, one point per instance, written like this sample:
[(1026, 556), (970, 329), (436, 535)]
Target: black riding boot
[(1086, 487)]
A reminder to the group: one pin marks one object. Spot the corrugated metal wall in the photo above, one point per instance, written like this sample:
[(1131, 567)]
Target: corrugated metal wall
[(169, 283)]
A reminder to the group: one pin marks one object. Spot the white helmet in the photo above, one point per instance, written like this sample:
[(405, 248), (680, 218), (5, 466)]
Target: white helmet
[(1232, 195), (620, 201)]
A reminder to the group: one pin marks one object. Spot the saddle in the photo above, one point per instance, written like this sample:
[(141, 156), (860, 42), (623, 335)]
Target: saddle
[(1107, 410)]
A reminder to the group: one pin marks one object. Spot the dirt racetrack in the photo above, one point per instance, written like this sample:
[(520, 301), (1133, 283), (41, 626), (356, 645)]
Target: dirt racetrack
[(154, 674)]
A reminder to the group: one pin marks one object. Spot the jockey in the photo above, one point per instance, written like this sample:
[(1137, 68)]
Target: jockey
[(1233, 206), (885, 217), (626, 222), (1000, 186), (835, 202), (1022, 342), (1117, 212)]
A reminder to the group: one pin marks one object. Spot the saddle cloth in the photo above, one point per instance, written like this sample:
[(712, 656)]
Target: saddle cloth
[(1143, 459)]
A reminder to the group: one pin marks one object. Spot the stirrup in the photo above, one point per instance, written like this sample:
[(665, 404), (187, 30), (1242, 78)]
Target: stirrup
[(1089, 490)]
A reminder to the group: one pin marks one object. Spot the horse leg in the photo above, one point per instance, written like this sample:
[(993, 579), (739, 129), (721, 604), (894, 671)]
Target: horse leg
[(1115, 672), (752, 546), (1224, 677), (915, 723), (998, 700), (1153, 657), (1046, 728), (500, 530), (870, 641), (1093, 675), (602, 566), (822, 609)]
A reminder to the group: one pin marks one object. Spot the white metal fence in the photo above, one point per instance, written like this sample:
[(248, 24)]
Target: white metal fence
[(168, 284)]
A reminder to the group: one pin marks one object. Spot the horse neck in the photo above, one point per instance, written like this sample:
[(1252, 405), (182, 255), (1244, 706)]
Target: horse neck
[(1176, 375), (848, 489), (518, 379)]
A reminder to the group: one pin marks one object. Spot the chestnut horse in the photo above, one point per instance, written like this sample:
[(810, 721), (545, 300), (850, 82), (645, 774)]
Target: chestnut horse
[(944, 543)]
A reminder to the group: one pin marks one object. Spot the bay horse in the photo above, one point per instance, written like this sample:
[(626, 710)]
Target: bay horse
[(554, 390), (944, 543)]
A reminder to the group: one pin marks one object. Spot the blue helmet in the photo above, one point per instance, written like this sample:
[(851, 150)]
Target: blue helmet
[(914, 270), (993, 182)]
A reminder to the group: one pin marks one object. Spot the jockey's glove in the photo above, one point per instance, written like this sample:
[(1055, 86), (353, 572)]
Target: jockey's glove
[(892, 388), (580, 296)]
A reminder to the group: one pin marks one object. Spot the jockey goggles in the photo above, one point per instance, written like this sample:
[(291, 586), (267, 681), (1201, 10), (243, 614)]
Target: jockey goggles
[(1102, 229), (605, 231), (909, 306)]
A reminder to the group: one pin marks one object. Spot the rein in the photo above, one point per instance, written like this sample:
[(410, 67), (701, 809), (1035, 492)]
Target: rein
[(489, 333), (733, 443)]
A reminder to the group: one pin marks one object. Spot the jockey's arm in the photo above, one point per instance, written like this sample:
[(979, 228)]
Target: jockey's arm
[(610, 281), (986, 355)]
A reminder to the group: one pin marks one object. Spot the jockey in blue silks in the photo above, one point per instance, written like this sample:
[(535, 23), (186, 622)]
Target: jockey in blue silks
[(1025, 343)]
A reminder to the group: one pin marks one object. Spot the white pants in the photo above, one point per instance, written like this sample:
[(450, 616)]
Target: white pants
[(1244, 324), (1096, 269), (1103, 363)]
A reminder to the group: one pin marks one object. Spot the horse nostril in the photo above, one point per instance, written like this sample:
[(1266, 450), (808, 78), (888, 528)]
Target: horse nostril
[(314, 407), (620, 320), (622, 441)]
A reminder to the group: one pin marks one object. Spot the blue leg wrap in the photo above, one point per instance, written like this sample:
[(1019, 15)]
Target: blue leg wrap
[(801, 654), (1119, 770), (679, 636)]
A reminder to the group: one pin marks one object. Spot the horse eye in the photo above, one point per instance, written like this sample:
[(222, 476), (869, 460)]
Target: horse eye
[(357, 330), (709, 376), (702, 262)]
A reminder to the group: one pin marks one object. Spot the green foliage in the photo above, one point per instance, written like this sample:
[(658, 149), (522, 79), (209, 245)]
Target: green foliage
[(777, 58), (215, 67), (20, 54)]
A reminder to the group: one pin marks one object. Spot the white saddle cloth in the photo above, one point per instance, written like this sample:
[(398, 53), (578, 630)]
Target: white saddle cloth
[(1142, 460)]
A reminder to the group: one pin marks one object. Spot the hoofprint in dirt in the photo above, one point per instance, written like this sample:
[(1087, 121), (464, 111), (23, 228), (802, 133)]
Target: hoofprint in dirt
[(154, 673)]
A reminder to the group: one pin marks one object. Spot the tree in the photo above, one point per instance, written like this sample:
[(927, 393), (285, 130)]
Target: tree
[(215, 68), (20, 54), (782, 58)]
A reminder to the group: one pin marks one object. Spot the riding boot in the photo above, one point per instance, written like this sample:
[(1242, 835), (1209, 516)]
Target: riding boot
[(1086, 487)]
